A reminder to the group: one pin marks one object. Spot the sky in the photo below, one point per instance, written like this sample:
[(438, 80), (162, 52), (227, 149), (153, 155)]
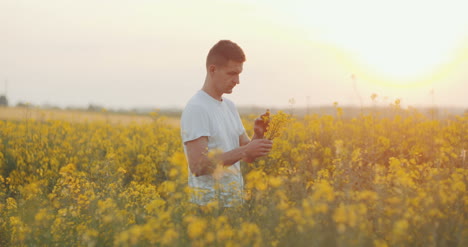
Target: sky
[(150, 53)]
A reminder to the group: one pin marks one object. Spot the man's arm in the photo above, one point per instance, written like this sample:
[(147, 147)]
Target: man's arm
[(200, 164), (260, 127), (244, 139)]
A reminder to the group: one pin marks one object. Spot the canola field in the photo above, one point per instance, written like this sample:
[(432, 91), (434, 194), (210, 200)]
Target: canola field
[(398, 180)]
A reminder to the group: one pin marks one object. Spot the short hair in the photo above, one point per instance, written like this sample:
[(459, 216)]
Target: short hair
[(223, 51)]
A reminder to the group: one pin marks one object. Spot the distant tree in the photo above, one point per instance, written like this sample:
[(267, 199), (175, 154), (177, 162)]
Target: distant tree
[(23, 104), (93, 107), (3, 100), (50, 106)]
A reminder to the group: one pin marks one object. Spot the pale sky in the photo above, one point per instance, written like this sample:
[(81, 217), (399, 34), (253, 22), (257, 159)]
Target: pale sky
[(150, 53)]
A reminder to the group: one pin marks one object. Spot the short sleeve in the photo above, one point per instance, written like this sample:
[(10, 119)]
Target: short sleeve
[(194, 123)]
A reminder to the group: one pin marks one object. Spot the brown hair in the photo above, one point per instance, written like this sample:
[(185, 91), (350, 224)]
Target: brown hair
[(223, 51)]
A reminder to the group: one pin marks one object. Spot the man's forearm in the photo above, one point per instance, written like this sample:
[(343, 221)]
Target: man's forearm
[(207, 165), (231, 157)]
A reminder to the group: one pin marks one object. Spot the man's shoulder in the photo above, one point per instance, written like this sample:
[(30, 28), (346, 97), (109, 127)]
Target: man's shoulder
[(196, 106), (197, 101)]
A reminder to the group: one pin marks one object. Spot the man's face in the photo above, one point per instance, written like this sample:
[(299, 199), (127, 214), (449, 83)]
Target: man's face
[(227, 77)]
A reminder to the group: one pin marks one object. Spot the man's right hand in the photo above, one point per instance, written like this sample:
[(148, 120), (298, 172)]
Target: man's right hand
[(257, 148)]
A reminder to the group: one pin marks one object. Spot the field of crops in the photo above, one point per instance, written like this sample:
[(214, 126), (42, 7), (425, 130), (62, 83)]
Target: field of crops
[(398, 180)]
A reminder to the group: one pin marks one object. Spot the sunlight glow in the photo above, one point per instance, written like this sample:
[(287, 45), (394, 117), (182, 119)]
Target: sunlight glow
[(391, 42)]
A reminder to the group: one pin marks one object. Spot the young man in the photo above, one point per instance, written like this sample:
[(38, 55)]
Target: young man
[(213, 134)]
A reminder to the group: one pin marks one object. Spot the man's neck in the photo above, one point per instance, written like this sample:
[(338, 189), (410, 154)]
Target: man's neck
[(211, 91)]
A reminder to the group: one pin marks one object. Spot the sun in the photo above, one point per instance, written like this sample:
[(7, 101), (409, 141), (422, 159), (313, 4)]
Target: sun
[(395, 43), (393, 63), (398, 55)]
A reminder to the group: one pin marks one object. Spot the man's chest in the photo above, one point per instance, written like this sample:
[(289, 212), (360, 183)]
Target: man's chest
[(224, 130)]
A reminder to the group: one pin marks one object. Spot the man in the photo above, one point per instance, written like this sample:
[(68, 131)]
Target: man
[(213, 135)]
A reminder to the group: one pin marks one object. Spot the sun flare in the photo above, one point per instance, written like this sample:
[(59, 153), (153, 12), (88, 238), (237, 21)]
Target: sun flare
[(420, 60), (396, 43)]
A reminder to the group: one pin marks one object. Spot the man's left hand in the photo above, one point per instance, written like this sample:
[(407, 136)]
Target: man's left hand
[(261, 124)]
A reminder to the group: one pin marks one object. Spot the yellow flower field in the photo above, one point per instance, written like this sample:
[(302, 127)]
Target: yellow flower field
[(398, 180)]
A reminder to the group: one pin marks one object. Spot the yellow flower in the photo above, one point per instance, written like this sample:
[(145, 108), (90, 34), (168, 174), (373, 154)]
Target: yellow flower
[(374, 178), (380, 243), (169, 236), (340, 215), (11, 203), (400, 227), (173, 173), (274, 181), (277, 125), (196, 227), (323, 191)]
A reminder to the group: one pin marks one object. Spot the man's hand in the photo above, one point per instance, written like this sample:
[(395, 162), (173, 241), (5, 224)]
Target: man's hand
[(257, 148), (261, 125)]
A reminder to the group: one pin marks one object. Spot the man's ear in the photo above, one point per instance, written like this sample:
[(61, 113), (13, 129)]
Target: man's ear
[(211, 68)]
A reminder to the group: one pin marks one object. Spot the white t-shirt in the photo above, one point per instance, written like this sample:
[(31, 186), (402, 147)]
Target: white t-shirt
[(220, 122)]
